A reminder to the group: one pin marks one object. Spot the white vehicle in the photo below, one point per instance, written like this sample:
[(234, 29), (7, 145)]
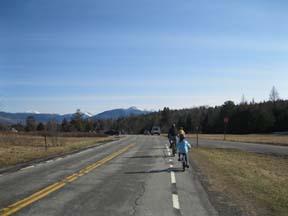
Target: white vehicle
[(156, 130)]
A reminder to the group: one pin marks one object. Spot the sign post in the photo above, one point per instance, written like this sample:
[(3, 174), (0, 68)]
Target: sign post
[(197, 136), (226, 121)]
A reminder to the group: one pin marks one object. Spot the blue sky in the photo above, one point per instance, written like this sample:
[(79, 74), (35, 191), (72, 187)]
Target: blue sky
[(60, 55)]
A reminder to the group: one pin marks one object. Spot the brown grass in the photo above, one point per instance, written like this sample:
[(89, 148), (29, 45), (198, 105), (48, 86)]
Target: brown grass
[(257, 183), (251, 138), (19, 148)]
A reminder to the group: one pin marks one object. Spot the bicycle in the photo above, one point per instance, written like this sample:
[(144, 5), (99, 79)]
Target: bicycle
[(183, 160), (173, 145)]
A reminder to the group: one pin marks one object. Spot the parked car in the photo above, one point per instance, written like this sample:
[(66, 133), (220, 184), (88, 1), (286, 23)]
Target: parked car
[(156, 130)]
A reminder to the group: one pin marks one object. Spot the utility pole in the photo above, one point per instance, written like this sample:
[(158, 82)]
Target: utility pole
[(46, 146)]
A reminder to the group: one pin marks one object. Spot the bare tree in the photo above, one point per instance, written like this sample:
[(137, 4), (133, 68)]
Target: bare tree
[(274, 95), (52, 129), (243, 100)]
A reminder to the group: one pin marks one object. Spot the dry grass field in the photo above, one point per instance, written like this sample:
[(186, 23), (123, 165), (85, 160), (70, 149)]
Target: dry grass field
[(18, 148), (251, 138), (257, 183)]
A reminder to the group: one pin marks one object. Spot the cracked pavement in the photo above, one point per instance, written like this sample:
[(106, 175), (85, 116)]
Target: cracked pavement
[(135, 183)]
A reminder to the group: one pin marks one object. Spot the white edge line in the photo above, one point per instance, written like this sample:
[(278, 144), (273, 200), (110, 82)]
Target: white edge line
[(175, 200), (29, 167), (173, 178)]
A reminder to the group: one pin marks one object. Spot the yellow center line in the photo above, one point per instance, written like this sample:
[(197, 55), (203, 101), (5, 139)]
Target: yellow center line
[(58, 185)]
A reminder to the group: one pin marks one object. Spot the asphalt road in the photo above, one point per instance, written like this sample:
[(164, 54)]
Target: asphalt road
[(114, 179), (250, 147)]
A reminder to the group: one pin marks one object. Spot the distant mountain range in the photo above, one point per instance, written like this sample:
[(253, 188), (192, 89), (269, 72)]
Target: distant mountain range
[(119, 113), (13, 118)]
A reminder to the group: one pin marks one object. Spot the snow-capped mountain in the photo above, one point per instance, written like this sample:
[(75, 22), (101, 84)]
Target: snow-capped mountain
[(120, 113), (34, 112), (14, 118), (88, 114)]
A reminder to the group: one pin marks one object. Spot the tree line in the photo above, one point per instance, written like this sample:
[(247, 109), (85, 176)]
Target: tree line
[(264, 117), (77, 123)]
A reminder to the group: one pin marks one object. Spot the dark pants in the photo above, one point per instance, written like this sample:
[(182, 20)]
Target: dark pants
[(172, 141), (185, 155)]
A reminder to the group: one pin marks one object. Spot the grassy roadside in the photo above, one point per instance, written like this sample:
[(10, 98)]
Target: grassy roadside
[(251, 138), (257, 183), (22, 148)]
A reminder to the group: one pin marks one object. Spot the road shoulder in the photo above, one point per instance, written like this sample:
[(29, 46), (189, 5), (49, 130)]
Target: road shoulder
[(256, 183), (221, 202), (33, 162)]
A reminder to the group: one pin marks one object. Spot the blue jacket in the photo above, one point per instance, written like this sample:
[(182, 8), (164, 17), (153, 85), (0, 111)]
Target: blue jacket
[(183, 146)]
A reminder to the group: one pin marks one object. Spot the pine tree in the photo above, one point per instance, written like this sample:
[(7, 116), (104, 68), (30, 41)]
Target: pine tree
[(65, 126), (40, 127), (31, 123), (77, 120)]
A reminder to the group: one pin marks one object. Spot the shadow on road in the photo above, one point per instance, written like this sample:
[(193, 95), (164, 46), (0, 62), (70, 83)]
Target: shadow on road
[(155, 171), (147, 156), (158, 148)]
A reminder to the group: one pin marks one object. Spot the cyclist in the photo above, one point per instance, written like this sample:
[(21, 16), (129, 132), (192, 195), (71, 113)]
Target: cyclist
[(183, 147), (181, 131), (172, 136)]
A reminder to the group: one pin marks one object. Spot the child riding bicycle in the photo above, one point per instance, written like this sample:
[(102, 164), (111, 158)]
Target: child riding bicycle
[(183, 147)]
